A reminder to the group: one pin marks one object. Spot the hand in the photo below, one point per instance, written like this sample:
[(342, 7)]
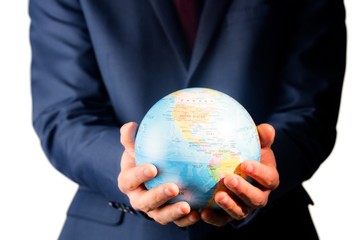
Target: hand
[(249, 196), (131, 182)]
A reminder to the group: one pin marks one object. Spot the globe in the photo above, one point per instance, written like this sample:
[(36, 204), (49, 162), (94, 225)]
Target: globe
[(195, 137)]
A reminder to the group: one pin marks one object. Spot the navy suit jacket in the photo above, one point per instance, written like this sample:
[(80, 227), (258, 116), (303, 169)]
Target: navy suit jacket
[(97, 64)]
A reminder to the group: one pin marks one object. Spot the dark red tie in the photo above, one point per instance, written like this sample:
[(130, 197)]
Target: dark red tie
[(188, 13)]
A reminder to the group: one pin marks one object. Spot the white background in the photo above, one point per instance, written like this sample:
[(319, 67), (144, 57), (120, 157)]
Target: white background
[(34, 197)]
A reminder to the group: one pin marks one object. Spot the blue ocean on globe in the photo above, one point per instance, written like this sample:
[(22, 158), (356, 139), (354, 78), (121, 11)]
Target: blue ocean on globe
[(195, 137)]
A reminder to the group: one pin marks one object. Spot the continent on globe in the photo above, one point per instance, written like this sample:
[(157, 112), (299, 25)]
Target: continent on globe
[(195, 137)]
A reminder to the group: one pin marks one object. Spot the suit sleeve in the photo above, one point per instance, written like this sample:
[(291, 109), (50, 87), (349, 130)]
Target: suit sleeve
[(311, 84), (308, 101), (72, 114)]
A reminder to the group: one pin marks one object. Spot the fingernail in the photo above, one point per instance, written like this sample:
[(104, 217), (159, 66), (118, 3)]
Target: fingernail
[(249, 168), (148, 172), (168, 192), (183, 210), (223, 200), (234, 182)]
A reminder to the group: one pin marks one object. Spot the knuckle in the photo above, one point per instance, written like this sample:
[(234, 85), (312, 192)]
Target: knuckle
[(134, 203), (161, 220), (273, 184), (122, 188), (122, 140), (245, 211), (275, 181), (180, 224), (276, 184), (151, 215), (258, 202), (142, 205)]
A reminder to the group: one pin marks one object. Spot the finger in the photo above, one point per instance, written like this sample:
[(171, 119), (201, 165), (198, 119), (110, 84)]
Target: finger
[(263, 172), (127, 161), (131, 178), (266, 134), (154, 198), (215, 217), (170, 213), (236, 209), (189, 219), (127, 136), (249, 194)]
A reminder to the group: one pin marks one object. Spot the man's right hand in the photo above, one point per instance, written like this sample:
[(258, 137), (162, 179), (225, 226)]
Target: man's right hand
[(131, 182)]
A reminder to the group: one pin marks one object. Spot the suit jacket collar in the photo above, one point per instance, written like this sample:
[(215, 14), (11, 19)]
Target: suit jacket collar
[(211, 16)]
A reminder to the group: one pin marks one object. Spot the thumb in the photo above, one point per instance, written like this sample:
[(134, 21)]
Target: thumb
[(127, 136), (266, 134)]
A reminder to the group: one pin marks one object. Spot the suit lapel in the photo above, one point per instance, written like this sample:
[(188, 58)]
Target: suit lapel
[(166, 14), (212, 15)]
